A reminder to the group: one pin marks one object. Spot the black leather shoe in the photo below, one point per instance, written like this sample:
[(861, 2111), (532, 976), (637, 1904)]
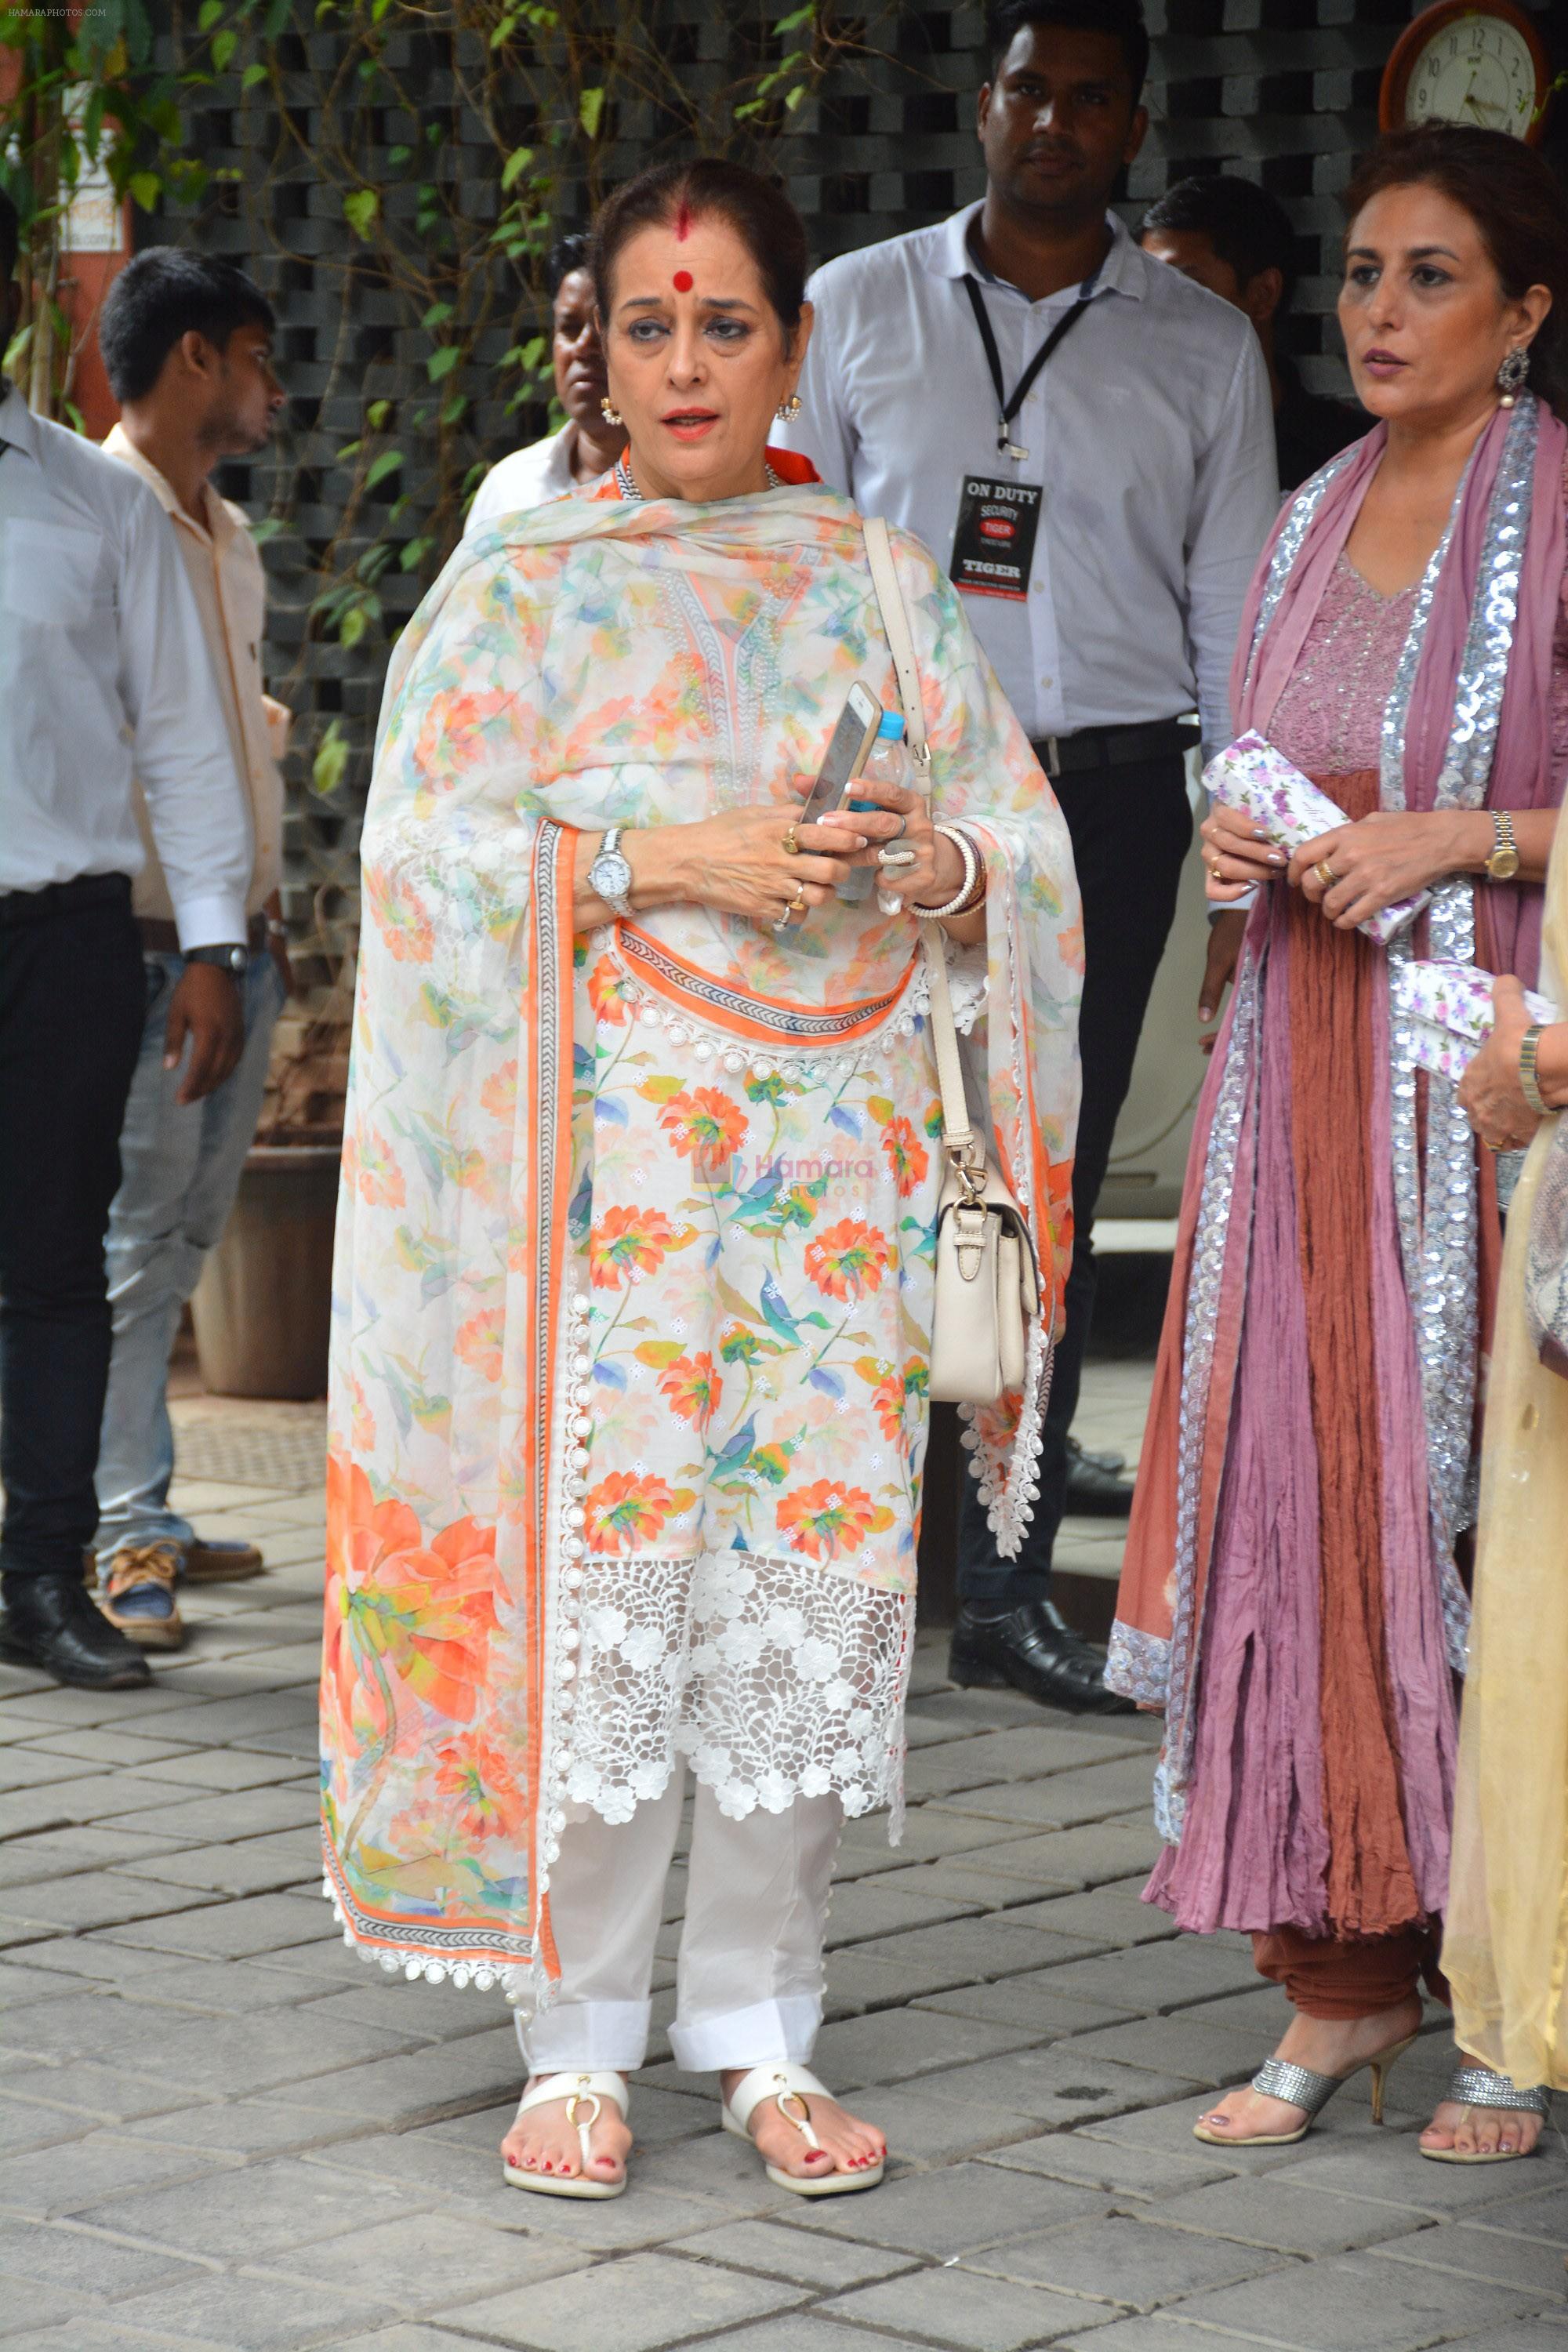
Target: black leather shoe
[(1033, 1650), (1096, 1487), (52, 1622)]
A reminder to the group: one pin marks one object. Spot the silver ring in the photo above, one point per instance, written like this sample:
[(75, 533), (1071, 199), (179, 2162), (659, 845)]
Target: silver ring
[(903, 828), (896, 857)]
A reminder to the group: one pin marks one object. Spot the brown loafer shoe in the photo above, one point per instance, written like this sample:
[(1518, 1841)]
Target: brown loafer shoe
[(138, 1596), (223, 1562)]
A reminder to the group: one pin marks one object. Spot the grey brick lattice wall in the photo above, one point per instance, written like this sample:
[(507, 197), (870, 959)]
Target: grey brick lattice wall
[(1280, 91)]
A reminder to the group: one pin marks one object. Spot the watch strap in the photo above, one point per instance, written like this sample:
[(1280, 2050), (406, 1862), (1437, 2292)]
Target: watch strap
[(617, 901), (1529, 1083), (1505, 848)]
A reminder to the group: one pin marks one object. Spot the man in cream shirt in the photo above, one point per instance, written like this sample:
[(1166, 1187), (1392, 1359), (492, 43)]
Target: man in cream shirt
[(104, 677), (187, 343)]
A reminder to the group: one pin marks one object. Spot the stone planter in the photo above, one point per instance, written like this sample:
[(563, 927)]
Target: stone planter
[(263, 1306)]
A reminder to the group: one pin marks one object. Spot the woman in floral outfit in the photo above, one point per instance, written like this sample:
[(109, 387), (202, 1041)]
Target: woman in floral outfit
[(634, 1262)]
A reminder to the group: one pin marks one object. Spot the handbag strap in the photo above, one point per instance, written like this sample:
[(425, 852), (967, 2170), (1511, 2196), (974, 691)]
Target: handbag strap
[(900, 644), (957, 1136)]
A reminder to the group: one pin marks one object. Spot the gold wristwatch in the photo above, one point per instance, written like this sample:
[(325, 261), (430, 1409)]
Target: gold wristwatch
[(1503, 863)]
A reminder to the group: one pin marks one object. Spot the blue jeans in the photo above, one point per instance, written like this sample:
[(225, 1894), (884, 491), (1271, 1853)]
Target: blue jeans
[(180, 1170)]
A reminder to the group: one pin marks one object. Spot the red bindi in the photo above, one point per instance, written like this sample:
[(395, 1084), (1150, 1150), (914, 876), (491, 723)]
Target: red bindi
[(683, 281)]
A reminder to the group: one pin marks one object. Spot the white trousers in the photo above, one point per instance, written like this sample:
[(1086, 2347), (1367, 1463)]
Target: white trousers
[(749, 1976)]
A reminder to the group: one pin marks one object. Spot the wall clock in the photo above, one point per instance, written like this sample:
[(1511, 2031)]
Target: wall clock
[(1478, 62)]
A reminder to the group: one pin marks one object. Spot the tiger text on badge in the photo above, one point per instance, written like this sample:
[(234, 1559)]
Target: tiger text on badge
[(993, 545)]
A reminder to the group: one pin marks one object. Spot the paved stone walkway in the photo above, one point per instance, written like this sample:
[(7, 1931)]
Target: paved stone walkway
[(220, 2129)]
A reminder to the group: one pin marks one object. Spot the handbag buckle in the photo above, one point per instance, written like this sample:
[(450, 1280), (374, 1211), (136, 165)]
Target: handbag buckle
[(967, 1161)]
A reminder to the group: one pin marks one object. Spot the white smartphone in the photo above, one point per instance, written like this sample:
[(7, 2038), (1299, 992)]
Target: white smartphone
[(846, 756)]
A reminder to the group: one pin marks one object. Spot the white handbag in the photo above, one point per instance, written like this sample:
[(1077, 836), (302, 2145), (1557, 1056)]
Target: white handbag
[(988, 1283)]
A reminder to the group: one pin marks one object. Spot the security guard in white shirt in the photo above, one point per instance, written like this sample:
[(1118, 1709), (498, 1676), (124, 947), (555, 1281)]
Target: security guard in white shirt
[(1086, 439), (103, 673)]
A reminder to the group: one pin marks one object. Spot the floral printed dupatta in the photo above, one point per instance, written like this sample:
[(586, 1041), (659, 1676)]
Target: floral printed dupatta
[(589, 662)]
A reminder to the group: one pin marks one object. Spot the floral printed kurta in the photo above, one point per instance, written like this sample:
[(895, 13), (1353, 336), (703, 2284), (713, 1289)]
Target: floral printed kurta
[(634, 1278)]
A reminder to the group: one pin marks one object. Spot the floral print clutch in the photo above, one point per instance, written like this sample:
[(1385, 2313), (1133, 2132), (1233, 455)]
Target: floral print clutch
[(1450, 1007), (1250, 776)]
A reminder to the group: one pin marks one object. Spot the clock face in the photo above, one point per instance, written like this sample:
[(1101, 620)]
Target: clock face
[(1478, 71)]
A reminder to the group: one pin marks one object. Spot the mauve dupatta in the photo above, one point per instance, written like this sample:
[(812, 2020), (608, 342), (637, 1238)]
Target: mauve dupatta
[(1154, 1648)]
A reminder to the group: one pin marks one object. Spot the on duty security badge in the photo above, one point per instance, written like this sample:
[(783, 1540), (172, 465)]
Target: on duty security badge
[(993, 545)]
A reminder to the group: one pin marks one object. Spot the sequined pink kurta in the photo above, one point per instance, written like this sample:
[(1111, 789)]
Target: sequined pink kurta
[(1315, 1790)]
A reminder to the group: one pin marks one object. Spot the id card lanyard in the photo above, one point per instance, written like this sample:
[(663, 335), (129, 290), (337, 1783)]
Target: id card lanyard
[(1007, 409)]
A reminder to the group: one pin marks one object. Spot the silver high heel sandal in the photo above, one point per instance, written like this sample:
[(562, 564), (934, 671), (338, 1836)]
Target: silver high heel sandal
[(1299, 2087), (1476, 2086)]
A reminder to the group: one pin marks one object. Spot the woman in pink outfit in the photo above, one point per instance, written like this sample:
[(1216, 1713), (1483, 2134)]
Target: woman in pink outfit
[(1290, 1597)]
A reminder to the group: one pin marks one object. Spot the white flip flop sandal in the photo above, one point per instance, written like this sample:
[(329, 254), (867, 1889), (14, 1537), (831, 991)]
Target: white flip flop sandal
[(787, 2085), (584, 2095)]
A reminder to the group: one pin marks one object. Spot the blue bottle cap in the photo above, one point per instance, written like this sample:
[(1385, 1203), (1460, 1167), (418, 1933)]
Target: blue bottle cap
[(891, 729)]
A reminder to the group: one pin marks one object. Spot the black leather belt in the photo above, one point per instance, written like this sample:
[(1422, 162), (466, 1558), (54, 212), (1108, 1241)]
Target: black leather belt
[(1114, 747)]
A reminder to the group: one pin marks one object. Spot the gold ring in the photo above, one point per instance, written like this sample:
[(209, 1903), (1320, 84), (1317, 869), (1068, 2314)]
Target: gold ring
[(791, 843), (797, 904), (1214, 867), (1325, 874)]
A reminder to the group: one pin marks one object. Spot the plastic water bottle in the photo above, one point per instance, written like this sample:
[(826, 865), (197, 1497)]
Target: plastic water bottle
[(887, 762)]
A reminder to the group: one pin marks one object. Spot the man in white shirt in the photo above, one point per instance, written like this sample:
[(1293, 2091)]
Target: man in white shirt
[(587, 445), (1087, 441), (103, 675), (187, 343)]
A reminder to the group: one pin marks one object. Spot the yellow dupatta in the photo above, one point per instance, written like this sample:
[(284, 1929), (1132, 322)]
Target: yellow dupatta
[(1506, 1946)]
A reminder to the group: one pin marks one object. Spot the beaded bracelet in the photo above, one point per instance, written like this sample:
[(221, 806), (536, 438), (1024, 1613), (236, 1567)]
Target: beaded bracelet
[(972, 873)]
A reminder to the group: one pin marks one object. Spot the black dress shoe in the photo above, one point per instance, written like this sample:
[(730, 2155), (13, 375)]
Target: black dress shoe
[(52, 1622), (1096, 1487), (1036, 1651)]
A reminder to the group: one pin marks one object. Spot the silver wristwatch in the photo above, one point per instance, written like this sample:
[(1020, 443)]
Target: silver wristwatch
[(610, 876), (233, 960)]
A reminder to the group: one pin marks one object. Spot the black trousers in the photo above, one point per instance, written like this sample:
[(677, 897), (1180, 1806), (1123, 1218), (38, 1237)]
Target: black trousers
[(73, 997), (1130, 827)]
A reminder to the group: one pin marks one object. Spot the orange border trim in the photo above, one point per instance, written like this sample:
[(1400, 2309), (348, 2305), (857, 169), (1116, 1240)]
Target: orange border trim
[(761, 1020)]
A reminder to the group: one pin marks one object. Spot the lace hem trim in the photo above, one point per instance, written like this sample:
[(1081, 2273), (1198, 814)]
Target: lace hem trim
[(773, 1677), (1010, 1492)]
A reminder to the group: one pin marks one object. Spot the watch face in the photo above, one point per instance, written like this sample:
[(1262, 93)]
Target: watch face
[(1503, 865), (1477, 71), (611, 875)]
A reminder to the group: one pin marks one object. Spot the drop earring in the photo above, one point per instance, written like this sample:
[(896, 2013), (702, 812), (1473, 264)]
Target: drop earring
[(789, 409), (1511, 376), (611, 414)]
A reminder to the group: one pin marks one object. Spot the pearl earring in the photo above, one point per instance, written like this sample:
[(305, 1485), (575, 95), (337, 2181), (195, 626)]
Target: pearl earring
[(1511, 376), (612, 415), (789, 409)]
